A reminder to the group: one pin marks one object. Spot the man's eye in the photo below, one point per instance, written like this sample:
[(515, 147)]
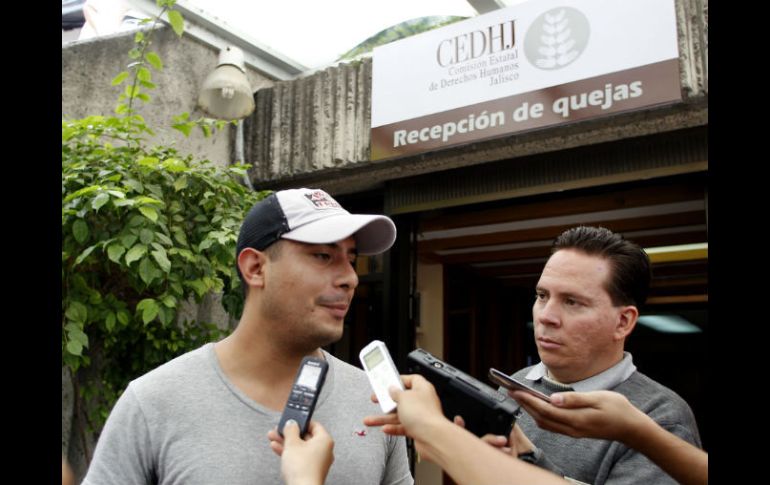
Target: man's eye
[(539, 296), (322, 256), (571, 302)]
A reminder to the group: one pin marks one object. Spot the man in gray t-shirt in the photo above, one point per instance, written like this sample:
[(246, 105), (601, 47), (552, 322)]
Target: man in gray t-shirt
[(203, 417)]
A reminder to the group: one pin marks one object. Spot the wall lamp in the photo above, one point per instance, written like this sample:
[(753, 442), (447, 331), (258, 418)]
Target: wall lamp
[(226, 93)]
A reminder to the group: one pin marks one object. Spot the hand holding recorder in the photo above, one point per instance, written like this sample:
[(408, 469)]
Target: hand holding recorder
[(381, 371), (307, 461), (304, 393)]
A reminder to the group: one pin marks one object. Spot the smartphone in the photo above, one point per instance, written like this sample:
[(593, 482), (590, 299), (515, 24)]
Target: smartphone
[(304, 393), (381, 371), (514, 385)]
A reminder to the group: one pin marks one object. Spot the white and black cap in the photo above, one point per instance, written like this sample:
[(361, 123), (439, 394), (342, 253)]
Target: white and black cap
[(312, 216)]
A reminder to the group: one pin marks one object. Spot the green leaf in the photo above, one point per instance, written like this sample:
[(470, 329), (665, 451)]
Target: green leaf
[(135, 221), (162, 260), (115, 251), (138, 37), (123, 317), (147, 271), (169, 301), (83, 191), (123, 202), (149, 309), (144, 97), (109, 322), (174, 165), (148, 161), (77, 312), (148, 84), (74, 347), (198, 285), (117, 193), (128, 240), (185, 253), (78, 335), (84, 255), (179, 235), (149, 212), (185, 128), (149, 200), (144, 74), (80, 230), (176, 21), (181, 183), (135, 53), (135, 253), (100, 200), (119, 78), (163, 239), (166, 316), (146, 236), (205, 244), (154, 60), (134, 184)]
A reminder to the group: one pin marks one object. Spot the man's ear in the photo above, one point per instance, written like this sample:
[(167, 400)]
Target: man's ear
[(252, 265), (626, 321)]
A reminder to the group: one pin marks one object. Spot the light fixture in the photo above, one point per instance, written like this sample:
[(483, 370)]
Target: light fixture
[(665, 323), (681, 252), (668, 324), (226, 93)]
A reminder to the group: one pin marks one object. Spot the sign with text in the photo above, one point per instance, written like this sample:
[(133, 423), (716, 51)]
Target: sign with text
[(536, 64)]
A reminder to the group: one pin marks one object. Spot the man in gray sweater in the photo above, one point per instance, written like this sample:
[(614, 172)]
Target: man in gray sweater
[(586, 305), (205, 416)]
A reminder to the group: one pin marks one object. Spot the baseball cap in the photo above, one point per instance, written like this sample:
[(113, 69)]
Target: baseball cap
[(312, 216)]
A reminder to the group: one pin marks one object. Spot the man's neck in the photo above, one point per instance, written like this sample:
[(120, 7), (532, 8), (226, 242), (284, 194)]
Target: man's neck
[(567, 378), (257, 365)]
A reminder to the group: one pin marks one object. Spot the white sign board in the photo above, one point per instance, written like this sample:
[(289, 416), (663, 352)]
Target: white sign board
[(535, 64)]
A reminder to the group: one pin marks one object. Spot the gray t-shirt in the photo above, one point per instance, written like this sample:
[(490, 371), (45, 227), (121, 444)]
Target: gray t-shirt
[(186, 423)]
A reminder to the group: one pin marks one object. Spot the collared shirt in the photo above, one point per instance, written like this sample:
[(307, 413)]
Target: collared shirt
[(607, 379)]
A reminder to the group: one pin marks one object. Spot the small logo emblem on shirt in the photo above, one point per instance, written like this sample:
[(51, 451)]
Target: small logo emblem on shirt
[(359, 432)]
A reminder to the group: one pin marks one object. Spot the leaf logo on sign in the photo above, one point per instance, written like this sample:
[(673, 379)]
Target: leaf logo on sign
[(557, 38)]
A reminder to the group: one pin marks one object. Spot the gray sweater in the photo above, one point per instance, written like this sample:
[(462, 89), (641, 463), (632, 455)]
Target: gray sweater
[(609, 462)]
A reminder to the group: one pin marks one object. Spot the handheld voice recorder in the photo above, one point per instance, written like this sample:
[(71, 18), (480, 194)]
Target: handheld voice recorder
[(382, 373), (304, 393), (484, 409)]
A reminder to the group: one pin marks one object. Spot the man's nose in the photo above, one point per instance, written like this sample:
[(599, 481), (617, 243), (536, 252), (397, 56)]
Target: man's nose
[(348, 278), (548, 313)]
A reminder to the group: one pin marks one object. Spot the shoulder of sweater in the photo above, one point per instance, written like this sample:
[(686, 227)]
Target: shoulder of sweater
[(651, 396)]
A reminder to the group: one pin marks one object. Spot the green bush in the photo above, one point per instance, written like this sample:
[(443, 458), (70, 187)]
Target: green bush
[(144, 230)]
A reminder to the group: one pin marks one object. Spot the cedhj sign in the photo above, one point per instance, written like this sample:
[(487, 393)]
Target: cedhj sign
[(533, 65)]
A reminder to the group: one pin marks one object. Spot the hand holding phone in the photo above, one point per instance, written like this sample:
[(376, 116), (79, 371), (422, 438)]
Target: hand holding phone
[(382, 373), (304, 393), (514, 385)]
